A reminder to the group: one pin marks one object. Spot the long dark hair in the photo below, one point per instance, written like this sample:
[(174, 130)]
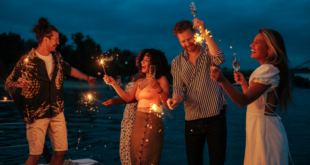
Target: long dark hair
[(159, 59), (279, 59), (43, 29)]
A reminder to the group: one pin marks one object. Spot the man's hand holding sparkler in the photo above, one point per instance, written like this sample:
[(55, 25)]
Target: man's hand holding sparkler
[(174, 101), (200, 25), (21, 83)]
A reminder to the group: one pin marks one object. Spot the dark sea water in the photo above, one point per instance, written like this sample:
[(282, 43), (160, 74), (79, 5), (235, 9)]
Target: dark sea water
[(95, 133)]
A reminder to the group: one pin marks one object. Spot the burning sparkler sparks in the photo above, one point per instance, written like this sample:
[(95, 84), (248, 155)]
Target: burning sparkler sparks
[(90, 98), (198, 38), (103, 61), (87, 101), (5, 99), (157, 109), (26, 64)]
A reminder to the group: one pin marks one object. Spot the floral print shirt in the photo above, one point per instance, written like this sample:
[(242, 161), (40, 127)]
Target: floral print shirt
[(42, 98)]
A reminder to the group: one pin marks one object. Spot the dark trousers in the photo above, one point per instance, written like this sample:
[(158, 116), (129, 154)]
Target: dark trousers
[(213, 129)]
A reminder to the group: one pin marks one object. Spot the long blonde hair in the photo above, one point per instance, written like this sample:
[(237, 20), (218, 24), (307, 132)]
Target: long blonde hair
[(279, 59)]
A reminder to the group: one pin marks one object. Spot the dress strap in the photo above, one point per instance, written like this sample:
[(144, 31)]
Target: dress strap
[(268, 106), (273, 114)]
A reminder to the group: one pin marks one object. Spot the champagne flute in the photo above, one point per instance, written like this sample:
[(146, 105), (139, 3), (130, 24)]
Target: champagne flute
[(152, 72), (192, 7), (236, 63), (118, 81)]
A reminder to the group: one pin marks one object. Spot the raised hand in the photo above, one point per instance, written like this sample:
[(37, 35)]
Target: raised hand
[(109, 80), (199, 24)]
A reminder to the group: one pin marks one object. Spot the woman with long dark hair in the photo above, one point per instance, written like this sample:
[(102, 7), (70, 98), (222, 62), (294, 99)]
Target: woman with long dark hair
[(269, 88), (147, 134)]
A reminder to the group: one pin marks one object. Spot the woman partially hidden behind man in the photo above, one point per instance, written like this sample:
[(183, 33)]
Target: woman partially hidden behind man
[(146, 140)]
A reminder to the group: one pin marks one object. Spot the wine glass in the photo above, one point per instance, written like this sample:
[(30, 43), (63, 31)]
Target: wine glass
[(118, 81), (152, 71), (192, 7), (236, 63)]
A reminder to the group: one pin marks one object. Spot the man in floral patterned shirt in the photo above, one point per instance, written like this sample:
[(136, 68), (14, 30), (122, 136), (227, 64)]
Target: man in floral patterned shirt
[(40, 75)]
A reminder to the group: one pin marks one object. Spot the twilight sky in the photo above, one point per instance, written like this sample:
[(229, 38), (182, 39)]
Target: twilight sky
[(139, 24)]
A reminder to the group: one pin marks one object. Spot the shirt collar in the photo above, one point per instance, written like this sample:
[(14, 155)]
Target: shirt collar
[(185, 54)]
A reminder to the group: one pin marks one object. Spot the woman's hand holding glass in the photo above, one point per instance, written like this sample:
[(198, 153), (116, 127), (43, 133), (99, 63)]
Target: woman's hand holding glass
[(239, 78), (216, 74), (154, 84)]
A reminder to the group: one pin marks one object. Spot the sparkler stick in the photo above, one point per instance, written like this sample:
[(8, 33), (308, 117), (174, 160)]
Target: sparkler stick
[(26, 61), (102, 63)]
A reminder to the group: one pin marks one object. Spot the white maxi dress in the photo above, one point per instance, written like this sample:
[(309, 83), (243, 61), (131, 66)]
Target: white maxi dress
[(266, 140)]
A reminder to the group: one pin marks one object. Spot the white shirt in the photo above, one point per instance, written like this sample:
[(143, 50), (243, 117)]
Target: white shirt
[(48, 63)]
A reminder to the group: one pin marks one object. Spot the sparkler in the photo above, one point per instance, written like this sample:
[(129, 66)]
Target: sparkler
[(198, 38), (103, 60), (90, 98), (157, 109), (5, 99), (102, 63), (26, 64)]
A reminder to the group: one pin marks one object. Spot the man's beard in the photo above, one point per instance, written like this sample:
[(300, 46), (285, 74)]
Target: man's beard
[(192, 49)]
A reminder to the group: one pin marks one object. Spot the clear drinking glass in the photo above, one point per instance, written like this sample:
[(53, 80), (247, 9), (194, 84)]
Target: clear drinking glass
[(119, 82), (236, 63), (192, 7), (152, 71)]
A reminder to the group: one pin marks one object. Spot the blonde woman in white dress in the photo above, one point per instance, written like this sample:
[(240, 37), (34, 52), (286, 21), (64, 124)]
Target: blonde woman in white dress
[(269, 88)]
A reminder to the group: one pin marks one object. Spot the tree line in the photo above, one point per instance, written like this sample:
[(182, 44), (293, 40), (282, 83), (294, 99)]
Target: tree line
[(81, 54)]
